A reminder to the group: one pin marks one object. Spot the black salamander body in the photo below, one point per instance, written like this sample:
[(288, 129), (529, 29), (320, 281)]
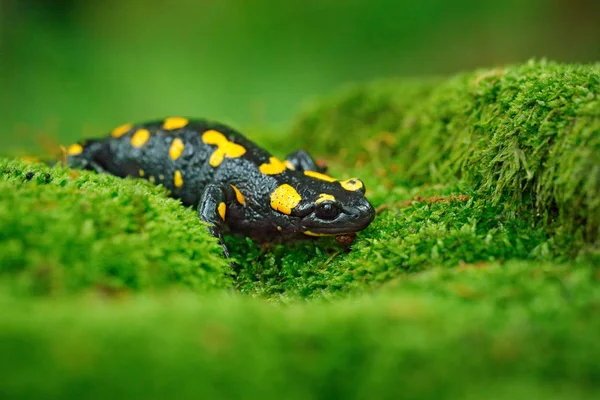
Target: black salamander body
[(235, 184)]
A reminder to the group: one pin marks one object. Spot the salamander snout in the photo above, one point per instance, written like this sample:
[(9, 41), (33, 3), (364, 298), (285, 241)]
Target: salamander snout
[(363, 213), (345, 213)]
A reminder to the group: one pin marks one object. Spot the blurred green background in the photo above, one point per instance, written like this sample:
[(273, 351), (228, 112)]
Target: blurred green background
[(70, 69)]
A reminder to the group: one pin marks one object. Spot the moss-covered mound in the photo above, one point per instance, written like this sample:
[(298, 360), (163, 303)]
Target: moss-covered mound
[(528, 134), (479, 278), (64, 231), (515, 331)]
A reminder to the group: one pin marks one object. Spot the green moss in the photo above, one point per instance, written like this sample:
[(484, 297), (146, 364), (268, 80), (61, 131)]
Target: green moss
[(478, 278), (63, 231), (499, 331), (529, 133), (417, 233)]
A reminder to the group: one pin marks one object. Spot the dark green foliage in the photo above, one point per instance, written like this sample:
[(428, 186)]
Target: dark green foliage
[(62, 231), (529, 133)]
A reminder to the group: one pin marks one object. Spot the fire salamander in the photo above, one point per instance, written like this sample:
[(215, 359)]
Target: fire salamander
[(236, 186)]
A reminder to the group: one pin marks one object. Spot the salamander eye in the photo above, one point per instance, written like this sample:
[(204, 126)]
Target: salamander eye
[(327, 211)]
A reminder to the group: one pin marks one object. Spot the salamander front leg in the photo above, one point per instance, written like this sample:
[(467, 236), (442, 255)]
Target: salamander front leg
[(302, 161), (212, 209)]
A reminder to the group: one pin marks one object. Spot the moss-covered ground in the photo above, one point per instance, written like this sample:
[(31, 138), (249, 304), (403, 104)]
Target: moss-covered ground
[(480, 277)]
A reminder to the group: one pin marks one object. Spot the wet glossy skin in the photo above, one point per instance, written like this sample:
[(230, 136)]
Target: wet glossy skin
[(235, 184)]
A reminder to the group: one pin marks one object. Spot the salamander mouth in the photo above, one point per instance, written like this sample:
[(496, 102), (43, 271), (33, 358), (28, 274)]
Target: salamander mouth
[(332, 231), (345, 223)]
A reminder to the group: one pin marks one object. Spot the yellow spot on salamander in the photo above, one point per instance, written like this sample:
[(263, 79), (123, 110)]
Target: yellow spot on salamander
[(274, 167), (121, 130), (176, 149), (75, 149), (289, 164), (175, 123), (238, 195), (161, 177), (178, 179), (318, 175), (284, 199), (352, 184), (140, 137), (324, 197), (152, 179), (142, 173), (309, 233), (222, 209), (225, 148)]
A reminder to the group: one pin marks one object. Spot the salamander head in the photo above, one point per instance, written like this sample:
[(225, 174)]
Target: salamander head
[(322, 206)]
